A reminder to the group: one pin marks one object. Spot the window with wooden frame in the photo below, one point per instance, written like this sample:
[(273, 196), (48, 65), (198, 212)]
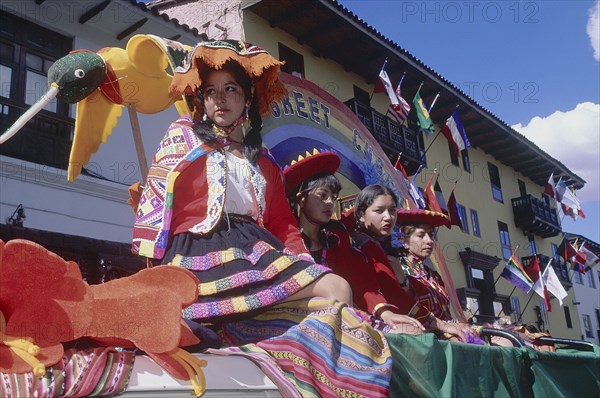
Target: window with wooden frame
[(28, 50), (466, 161), (495, 183), (504, 240)]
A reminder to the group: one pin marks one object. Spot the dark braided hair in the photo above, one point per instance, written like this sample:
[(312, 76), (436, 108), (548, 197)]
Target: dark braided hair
[(253, 139)]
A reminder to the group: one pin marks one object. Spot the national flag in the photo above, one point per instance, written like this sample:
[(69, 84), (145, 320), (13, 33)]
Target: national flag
[(540, 286), (453, 214), (395, 108), (414, 191), (380, 83), (398, 165), (455, 133), (515, 274), (423, 119), (591, 258), (553, 284), (566, 250), (439, 195), (578, 259), (569, 202), (387, 85), (533, 270), (404, 107), (549, 190), (431, 202), (578, 267)]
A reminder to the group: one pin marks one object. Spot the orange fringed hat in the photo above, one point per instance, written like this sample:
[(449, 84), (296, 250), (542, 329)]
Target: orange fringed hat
[(260, 66), (307, 166), (420, 216)]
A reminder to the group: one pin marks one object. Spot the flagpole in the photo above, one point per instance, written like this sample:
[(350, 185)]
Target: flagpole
[(433, 103), (499, 276), (524, 308), (419, 89), (430, 144), (416, 173), (401, 79)]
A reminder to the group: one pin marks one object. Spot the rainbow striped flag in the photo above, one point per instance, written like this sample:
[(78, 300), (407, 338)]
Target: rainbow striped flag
[(515, 273)]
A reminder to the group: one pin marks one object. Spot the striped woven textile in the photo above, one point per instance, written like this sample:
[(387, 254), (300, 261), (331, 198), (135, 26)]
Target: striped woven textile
[(323, 347), (94, 372)]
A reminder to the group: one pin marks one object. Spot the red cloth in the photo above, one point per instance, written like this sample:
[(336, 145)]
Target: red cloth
[(190, 201), (376, 285), (352, 265)]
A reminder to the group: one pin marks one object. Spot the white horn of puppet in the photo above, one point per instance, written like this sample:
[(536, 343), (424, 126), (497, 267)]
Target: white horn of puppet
[(31, 112)]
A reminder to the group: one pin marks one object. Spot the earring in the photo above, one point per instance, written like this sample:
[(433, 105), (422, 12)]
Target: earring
[(246, 122)]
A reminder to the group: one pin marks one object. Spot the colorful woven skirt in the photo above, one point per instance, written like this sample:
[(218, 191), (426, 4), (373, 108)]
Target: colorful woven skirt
[(322, 347), (242, 269)]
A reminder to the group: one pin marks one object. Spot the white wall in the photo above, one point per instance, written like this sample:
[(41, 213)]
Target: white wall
[(589, 302), (88, 207)]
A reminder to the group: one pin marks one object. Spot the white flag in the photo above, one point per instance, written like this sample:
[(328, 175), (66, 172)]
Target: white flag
[(553, 284), (569, 202)]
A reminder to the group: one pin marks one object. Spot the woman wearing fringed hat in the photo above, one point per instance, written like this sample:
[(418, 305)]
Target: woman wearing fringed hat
[(214, 203), (214, 200), (373, 218), (313, 189), (425, 286)]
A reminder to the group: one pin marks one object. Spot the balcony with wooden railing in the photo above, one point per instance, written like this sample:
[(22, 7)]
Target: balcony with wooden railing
[(535, 216), (394, 138)]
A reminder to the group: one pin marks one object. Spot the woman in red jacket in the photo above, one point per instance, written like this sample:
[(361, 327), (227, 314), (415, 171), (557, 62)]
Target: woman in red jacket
[(375, 214), (214, 200), (312, 189)]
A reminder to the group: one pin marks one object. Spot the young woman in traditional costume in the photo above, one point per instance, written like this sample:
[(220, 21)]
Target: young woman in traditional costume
[(312, 189), (214, 203), (214, 200), (374, 216)]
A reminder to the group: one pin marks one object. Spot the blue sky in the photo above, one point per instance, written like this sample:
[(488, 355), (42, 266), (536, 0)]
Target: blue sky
[(531, 63)]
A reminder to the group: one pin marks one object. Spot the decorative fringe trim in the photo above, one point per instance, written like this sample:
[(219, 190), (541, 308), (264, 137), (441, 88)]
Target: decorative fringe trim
[(261, 67)]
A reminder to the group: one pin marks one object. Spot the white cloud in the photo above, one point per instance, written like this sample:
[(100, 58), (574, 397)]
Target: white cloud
[(593, 29), (573, 138)]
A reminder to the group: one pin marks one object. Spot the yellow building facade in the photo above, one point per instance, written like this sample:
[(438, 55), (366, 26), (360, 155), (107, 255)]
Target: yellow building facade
[(473, 191)]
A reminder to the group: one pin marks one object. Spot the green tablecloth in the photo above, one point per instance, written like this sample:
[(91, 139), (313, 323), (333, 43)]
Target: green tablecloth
[(427, 367)]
